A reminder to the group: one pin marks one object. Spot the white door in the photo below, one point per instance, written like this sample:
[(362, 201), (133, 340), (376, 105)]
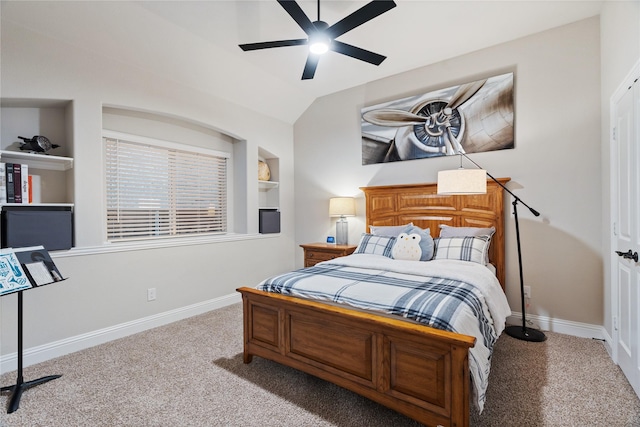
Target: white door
[(625, 176)]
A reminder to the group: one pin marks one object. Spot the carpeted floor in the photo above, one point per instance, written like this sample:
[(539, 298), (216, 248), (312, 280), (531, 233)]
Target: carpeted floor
[(190, 373)]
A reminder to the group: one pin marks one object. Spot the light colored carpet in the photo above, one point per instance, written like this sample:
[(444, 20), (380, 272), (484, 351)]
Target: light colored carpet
[(190, 373)]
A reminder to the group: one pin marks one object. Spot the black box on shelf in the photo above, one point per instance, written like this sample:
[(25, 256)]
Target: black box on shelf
[(51, 227), (269, 221)]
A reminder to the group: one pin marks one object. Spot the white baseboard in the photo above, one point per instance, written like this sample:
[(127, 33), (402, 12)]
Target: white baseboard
[(608, 344), (52, 350), (568, 327)]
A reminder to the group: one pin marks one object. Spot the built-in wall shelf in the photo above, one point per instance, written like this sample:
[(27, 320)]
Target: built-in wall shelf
[(51, 174), (48, 205), (267, 185), (37, 161), (269, 194)]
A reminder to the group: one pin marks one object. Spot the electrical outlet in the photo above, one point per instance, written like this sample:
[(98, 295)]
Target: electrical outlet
[(151, 294), (527, 291)]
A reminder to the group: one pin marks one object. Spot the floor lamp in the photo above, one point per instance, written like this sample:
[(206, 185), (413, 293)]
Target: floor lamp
[(474, 181)]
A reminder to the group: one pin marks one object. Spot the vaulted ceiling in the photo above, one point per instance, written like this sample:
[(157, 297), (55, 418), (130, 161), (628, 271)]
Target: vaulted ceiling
[(195, 43)]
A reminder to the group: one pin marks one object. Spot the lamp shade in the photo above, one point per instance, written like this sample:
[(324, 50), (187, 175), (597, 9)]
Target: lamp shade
[(342, 206), (462, 181)]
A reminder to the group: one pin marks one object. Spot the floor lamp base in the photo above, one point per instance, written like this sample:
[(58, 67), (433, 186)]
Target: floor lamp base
[(525, 334)]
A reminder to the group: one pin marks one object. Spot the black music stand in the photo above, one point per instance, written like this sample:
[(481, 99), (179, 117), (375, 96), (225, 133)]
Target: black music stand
[(21, 385)]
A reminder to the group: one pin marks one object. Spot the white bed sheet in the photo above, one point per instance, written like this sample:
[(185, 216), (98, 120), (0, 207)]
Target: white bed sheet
[(495, 302)]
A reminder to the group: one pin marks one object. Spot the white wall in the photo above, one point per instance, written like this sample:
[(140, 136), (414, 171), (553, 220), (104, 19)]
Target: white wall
[(555, 166), (107, 289)]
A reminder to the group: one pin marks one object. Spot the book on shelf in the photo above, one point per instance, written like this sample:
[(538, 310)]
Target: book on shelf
[(10, 186), (15, 185), (35, 193), (30, 188), (17, 182), (24, 183), (3, 183)]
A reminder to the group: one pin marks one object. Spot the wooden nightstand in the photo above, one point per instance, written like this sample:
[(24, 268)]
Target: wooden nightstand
[(317, 252)]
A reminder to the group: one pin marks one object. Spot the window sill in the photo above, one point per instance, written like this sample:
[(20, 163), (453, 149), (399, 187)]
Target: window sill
[(163, 243)]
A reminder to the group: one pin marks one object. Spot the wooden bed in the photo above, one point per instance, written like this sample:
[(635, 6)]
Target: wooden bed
[(411, 368)]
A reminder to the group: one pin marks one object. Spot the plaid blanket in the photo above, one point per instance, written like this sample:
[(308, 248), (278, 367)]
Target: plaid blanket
[(440, 294)]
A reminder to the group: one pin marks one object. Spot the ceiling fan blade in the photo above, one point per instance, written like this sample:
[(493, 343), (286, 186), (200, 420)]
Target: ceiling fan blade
[(356, 52), (277, 43), (310, 66), (294, 10), (360, 16)]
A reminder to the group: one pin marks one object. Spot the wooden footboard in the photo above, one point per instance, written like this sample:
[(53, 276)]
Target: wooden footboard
[(413, 369)]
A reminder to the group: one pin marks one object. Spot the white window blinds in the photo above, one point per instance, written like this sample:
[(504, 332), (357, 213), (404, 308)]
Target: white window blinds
[(158, 192)]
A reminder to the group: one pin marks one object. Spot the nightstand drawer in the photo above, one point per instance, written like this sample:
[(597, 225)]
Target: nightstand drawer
[(320, 256), (318, 252)]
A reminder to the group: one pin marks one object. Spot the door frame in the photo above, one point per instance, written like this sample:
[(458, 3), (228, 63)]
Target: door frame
[(628, 81)]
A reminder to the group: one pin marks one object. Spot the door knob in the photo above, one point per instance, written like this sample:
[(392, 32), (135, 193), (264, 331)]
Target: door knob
[(628, 255)]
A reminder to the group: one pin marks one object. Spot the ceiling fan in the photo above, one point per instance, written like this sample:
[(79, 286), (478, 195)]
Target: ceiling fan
[(322, 37)]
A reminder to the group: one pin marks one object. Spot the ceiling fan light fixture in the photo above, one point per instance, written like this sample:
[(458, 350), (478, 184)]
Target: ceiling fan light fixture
[(319, 44), (319, 48)]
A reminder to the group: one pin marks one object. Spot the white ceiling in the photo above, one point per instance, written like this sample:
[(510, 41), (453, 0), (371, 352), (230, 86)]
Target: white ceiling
[(195, 43)]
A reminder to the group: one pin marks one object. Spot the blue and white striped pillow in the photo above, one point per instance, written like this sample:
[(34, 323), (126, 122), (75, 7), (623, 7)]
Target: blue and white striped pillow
[(473, 248), (377, 245)]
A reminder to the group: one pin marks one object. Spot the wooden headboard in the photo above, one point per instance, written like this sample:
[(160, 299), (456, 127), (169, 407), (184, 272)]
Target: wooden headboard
[(420, 204)]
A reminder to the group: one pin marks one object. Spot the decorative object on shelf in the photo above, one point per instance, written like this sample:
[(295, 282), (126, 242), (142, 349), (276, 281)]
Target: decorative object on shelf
[(49, 226), (342, 207), (268, 221), (39, 144), (465, 181), (264, 173)]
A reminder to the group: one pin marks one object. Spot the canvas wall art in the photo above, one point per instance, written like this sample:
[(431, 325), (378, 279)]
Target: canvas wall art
[(468, 118)]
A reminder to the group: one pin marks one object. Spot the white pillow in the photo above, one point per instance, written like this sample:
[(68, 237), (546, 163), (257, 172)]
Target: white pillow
[(448, 231), (473, 249), (377, 245)]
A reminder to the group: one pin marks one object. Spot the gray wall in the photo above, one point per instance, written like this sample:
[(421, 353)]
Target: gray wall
[(555, 166), (105, 288)]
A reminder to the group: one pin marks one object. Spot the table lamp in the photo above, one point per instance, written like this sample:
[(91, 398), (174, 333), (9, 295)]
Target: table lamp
[(342, 207)]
